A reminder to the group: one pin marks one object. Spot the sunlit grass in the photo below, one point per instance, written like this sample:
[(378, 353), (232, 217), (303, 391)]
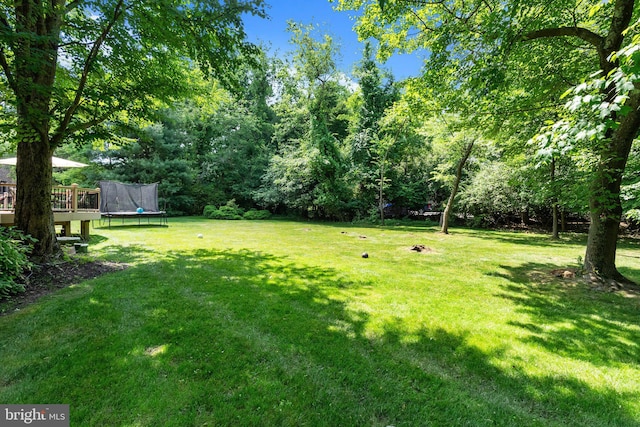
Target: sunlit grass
[(284, 323)]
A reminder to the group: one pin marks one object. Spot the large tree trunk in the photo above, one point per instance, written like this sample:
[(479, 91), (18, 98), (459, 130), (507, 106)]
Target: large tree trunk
[(36, 53), (456, 185), (604, 204), (34, 214)]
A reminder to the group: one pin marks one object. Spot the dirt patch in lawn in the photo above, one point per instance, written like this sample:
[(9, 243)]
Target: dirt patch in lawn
[(421, 249), (573, 277)]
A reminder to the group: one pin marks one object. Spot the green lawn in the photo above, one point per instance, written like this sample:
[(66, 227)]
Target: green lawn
[(280, 323)]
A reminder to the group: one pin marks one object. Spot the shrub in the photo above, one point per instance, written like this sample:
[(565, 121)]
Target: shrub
[(14, 261), (208, 211), (257, 214), (229, 211)]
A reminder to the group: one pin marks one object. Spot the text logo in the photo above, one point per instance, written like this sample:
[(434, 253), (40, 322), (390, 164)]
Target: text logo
[(34, 415)]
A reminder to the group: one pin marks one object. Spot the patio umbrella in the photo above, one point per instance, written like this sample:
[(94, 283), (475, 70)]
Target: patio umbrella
[(56, 162)]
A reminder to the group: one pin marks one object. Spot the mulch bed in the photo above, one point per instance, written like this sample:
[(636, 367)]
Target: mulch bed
[(47, 278)]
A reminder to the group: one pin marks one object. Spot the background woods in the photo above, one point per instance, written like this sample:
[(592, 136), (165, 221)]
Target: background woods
[(517, 116)]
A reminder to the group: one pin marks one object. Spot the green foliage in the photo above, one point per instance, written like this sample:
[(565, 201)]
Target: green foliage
[(630, 191), (506, 63), (76, 69), (301, 140), (231, 154), (14, 250), (154, 155), (593, 111), (229, 211), (122, 62), (372, 144), (315, 52), (254, 214), (490, 196), (306, 175), (633, 216)]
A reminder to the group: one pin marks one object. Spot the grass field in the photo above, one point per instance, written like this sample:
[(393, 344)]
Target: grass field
[(282, 323)]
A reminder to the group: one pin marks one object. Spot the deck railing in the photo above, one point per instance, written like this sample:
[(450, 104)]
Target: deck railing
[(64, 198)]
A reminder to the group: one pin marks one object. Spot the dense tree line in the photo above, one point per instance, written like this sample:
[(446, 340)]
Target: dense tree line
[(303, 139)]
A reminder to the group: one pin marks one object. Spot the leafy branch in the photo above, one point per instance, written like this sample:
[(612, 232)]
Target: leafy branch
[(595, 106), (95, 49)]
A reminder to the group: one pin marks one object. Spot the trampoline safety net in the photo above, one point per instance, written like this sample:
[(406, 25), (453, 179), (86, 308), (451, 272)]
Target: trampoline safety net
[(118, 197)]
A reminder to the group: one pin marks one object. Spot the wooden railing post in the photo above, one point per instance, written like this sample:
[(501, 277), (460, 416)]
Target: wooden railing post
[(74, 197)]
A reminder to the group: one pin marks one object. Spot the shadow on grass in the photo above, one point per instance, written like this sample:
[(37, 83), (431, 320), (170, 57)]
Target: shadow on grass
[(569, 318), (578, 239), (94, 239), (127, 254), (247, 338), (533, 239), (407, 225), (628, 242)]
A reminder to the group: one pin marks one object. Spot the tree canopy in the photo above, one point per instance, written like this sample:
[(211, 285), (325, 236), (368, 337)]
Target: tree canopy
[(68, 67)]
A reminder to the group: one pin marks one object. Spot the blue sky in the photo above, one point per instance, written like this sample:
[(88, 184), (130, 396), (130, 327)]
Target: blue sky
[(273, 32)]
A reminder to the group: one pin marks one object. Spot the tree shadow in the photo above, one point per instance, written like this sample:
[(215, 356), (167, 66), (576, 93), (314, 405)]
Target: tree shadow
[(571, 319), (241, 337), (127, 254), (126, 223), (537, 239), (409, 225), (94, 239), (628, 242)]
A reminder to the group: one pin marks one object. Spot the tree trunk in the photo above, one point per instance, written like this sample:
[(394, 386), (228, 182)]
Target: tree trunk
[(381, 193), (36, 55), (34, 213), (605, 206), (555, 234), (554, 203), (454, 190)]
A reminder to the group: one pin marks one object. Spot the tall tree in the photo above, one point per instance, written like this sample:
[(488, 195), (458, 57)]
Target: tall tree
[(71, 65), (396, 135), (366, 148), (154, 153), (314, 59), (446, 214), (493, 45), (456, 140)]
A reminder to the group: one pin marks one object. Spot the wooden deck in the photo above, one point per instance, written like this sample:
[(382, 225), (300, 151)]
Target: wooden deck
[(70, 203)]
